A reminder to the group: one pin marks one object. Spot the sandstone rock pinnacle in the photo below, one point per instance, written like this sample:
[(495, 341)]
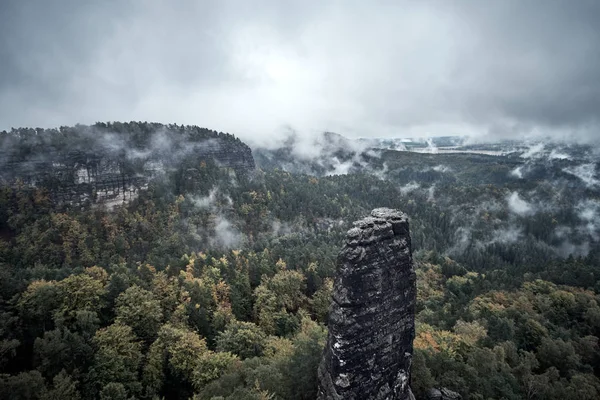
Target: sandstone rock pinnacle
[(371, 321)]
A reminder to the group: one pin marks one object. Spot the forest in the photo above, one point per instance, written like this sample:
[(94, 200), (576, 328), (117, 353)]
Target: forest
[(220, 290)]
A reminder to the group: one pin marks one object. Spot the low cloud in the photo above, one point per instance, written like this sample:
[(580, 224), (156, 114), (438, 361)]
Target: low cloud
[(431, 147), (222, 232), (568, 248), (213, 201), (381, 173), (431, 193), (517, 172), (442, 168), (226, 235), (409, 187), (340, 168), (462, 240), (205, 202), (282, 228), (558, 155), (519, 206), (588, 212), (510, 234), (585, 172), (534, 151)]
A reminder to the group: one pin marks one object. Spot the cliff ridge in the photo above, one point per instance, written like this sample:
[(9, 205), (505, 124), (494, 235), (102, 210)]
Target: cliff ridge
[(110, 163)]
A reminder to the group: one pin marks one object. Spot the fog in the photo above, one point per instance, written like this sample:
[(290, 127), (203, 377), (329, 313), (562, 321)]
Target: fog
[(519, 206), (363, 69), (585, 172)]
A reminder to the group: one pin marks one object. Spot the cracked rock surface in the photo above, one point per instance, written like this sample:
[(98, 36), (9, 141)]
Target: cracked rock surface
[(371, 321)]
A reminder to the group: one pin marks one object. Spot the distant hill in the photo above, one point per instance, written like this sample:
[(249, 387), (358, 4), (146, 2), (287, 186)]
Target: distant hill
[(109, 163)]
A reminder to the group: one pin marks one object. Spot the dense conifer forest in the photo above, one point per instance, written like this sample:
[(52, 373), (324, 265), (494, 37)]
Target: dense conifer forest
[(221, 289)]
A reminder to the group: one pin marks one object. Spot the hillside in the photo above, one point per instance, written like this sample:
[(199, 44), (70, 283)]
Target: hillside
[(110, 163), (214, 280)]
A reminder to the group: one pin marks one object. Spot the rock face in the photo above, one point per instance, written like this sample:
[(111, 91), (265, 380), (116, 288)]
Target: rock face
[(371, 321), (110, 163), (442, 394)]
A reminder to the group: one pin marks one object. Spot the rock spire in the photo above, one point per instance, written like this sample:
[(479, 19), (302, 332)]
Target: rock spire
[(371, 322)]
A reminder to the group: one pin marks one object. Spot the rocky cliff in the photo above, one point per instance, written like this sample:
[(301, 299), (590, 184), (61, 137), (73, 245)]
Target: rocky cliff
[(110, 163), (371, 322)]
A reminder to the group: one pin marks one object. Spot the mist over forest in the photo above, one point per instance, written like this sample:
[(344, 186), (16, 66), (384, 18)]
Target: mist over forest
[(197, 256), (210, 263)]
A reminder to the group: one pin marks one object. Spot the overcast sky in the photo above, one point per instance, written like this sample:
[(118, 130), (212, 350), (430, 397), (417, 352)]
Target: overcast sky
[(253, 68)]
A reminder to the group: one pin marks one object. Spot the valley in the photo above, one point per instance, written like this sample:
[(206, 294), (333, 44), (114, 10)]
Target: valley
[(235, 253)]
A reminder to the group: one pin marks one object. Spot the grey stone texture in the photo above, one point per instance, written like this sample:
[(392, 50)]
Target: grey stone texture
[(371, 322)]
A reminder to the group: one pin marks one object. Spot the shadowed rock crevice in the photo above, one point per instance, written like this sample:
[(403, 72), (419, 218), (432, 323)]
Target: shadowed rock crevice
[(371, 321)]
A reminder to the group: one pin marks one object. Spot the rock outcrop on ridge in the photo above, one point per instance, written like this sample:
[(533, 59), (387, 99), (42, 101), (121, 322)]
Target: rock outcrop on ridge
[(371, 322), (110, 163)]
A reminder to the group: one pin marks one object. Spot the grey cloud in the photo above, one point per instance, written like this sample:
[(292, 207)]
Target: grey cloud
[(519, 206), (585, 172), (495, 68)]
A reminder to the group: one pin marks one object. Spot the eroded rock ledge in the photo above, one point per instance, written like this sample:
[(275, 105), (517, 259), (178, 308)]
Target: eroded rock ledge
[(371, 321)]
